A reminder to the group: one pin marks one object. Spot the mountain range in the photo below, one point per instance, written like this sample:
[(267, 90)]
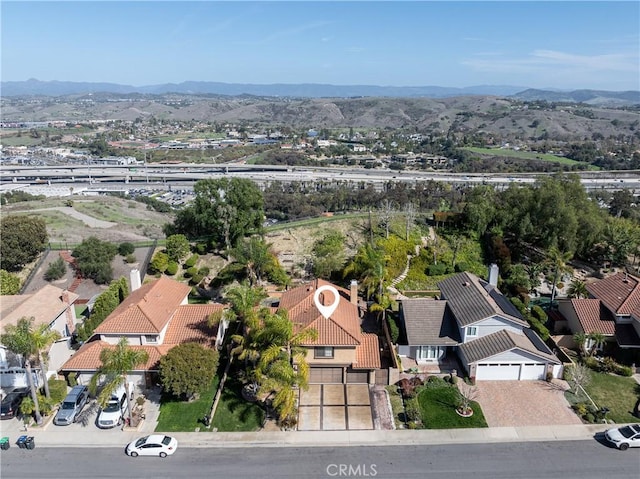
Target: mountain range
[(313, 90)]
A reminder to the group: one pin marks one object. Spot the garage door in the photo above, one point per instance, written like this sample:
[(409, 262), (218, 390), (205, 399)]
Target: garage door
[(325, 375), (498, 372), (533, 371), (357, 376)]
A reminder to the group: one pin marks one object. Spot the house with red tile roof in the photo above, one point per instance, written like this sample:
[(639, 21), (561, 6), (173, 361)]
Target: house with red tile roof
[(154, 318), (342, 353), (612, 310), (49, 305)]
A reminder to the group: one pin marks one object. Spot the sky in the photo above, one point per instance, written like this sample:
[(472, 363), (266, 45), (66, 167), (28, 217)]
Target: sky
[(545, 44)]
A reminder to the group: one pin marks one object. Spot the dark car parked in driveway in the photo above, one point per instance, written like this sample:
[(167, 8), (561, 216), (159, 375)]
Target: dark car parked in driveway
[(11, 403)]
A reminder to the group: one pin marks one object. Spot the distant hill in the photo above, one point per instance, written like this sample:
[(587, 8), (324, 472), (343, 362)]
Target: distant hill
[(592, 97), (304, 90)]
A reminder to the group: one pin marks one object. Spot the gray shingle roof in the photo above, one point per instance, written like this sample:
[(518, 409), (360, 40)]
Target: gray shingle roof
[(502, 341), (472, 299), (429, 322)]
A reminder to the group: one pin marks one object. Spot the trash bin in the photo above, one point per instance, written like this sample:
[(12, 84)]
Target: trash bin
[(4, 443), (30, 443), (21, 442)]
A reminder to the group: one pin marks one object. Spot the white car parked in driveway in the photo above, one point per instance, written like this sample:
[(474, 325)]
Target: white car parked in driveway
[(624, 437), (153, 445)]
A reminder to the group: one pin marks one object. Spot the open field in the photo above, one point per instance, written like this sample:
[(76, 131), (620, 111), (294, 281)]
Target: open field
[(524, 155)]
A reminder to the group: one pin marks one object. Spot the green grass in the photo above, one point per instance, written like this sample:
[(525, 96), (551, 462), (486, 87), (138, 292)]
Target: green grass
[(396, 406), (182, 416), (234, 414), (618, 394), (526, 155), (312, 221), (438, 408)]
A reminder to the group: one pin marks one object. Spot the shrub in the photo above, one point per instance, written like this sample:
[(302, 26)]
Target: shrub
[(538, 313), (189, 273), (57, 389), (72, 379), (580, 409), (412, 409), (56, 270), (46, 404), (437, 269), (193, 259), (196, 278), (462, 266), (590, 418), (172, 268), (131, 258), (159, 262), (204, 270), (592, 363), (608, 365), (200, 248), (435, 382), (394, 331), (624, 370), (560, 285), (125, 249)]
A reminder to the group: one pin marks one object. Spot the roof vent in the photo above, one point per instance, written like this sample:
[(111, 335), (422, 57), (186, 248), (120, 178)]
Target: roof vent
[(466, 283)]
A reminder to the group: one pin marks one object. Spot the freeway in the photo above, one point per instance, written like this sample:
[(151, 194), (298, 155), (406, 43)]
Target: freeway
[(531, 460), (187, 174)]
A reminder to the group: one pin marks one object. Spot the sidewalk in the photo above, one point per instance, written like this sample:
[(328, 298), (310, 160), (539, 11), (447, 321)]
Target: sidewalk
[(68, 438)]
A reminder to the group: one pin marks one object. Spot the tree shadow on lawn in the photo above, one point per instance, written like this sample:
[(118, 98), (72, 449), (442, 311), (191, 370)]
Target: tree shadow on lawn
[(234, 413)]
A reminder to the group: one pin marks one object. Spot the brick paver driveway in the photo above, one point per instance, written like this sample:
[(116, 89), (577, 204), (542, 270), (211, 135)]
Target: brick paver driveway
[(525, 403)]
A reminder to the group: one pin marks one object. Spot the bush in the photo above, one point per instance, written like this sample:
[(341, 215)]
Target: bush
[(435, 382), (592, 363), (203, 270), (560, 285), (538, 313), (462, 266), (125, 249), (608, 365), (624, 370), (57, 389), (412, 409), (196, 278), (56, 270), (131, 258), (437, 269), (172, 268), (590, 418), (189, 273), (72, 379), (580, 409), (394, 331), (539, 328), (200, 248), (193, 259)]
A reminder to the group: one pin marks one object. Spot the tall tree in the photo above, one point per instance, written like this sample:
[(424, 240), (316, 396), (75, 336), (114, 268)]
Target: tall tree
[(30, 342), (117, 362), (369, 267), (188, 369), (223, 209), (22, 239), (255, 255), (328, 254), (558, 260), (177, 247)]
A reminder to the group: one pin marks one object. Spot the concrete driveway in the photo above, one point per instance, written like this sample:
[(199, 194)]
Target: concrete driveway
[(525, 403), (335, 407)]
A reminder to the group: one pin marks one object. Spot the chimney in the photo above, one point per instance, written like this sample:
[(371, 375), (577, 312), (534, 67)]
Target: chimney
[(134, 279), (493, 275), (353, 290)]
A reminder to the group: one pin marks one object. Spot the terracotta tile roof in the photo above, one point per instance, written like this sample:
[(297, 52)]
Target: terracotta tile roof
[(368, 353), (146, 310), (44, 305), (189, 325), (87, 358), (342, 328), (620, 293), (593, 317)]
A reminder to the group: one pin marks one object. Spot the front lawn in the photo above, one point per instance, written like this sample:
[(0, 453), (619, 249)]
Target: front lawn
[(234, 413), (182, 416), (438, 409), (618, 394)]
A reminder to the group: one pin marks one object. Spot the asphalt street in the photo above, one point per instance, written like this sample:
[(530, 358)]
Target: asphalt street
[(532, 460)]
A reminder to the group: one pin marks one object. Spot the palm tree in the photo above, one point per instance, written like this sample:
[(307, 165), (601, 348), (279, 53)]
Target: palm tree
[(559, 261), (577, 289), (581, 339), (282, 367), (368, 265), (116, 364), (597, 341), (534, 270), (30, 342)]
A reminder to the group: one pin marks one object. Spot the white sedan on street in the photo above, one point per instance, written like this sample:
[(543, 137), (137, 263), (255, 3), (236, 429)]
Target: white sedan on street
[(624, 437), (153, 445)]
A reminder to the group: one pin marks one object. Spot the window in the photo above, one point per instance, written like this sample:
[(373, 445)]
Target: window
[(323, 352), (472, 330), (150, 339)]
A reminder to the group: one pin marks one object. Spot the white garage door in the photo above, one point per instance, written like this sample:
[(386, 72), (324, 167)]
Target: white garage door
[(498, 372), (533, 371)]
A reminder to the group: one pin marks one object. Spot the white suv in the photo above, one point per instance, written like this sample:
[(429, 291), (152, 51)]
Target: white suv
[(116, 409)]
